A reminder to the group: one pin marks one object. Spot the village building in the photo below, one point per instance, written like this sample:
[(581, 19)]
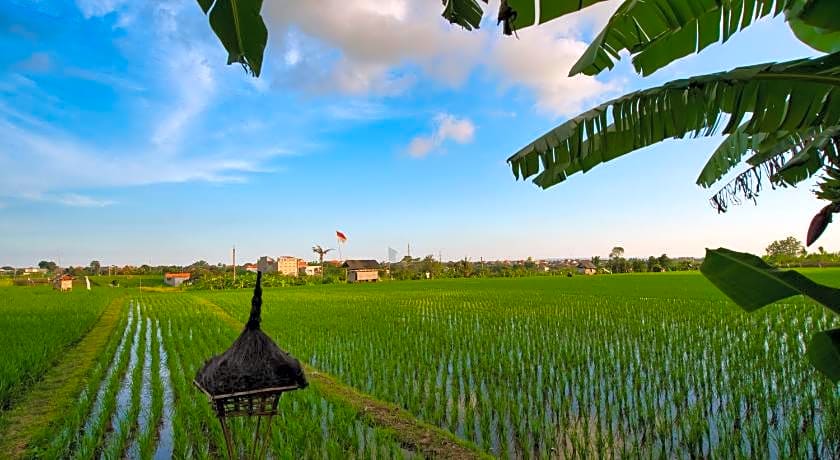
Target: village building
[(311, 270), (176, 279), (362, 270), (267, 264), (250, 268), (285, 265), (63, 283), (34, 270), (586, 268)]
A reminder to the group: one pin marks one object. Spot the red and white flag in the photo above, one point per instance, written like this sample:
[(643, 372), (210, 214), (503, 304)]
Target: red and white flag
[(342, 238)]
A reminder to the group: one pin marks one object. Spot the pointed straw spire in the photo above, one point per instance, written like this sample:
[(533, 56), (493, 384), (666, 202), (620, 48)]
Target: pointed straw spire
[(256, 305), (253, 362)]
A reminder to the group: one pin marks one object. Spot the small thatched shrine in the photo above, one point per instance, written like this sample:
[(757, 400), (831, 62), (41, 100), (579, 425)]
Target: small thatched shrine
[(248, 378)]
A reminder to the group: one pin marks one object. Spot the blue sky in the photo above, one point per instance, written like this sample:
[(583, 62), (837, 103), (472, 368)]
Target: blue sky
[(125, 138)]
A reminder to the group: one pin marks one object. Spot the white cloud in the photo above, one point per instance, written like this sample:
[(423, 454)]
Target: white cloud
[(194, 85), (84, 201), (38, 62), (67, 199), (95, 8), (541, 62), (47, 162), (358, 110), (447, 127), (369, 47), (104, 78), (357, 47), (43, 163)]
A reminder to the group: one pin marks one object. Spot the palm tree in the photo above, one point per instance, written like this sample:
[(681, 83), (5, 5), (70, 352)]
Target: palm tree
[(317, 249)]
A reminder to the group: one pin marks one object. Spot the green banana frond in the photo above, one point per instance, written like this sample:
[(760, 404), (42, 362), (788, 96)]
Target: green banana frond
[(657, 32), (465, 13), (240, 27), (791, 96), (515, 14), (526, 10)]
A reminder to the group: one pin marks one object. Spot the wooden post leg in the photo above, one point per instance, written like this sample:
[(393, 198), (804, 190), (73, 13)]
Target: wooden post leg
[(267, 437), (257, 439), (228, 440)]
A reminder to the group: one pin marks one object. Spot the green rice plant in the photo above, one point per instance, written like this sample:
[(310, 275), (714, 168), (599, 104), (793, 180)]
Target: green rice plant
[(657, 365), (37, 324), (63, 443), (307, 422), (638, 365)]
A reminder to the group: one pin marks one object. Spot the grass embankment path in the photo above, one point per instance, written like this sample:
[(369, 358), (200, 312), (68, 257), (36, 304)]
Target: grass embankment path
[(415, 435), (54, 394)]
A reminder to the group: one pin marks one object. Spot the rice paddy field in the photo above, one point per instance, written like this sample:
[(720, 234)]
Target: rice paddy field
[(36, 325), (653, 366)]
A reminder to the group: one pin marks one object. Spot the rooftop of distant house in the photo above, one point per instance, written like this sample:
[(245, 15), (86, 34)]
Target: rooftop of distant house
[(177, 275), (361, 264)]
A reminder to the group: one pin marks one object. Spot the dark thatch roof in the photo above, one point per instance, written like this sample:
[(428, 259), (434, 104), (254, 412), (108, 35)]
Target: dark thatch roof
[(586, 264), (253, 362), (361, 264)]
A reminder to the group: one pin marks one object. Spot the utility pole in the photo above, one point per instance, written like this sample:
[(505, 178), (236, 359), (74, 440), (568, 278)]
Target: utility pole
[(234, 264)]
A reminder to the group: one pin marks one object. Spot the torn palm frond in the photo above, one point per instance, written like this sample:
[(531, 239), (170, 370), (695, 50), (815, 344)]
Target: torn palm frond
[(748, 184), (784, 159)]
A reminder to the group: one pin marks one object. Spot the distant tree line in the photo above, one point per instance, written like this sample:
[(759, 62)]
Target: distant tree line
[(428, 267), (617, 263), (791, 252), (786, 252), (245, 279)]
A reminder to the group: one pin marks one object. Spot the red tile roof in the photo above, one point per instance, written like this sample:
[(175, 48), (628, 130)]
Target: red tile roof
[(177, 275)]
